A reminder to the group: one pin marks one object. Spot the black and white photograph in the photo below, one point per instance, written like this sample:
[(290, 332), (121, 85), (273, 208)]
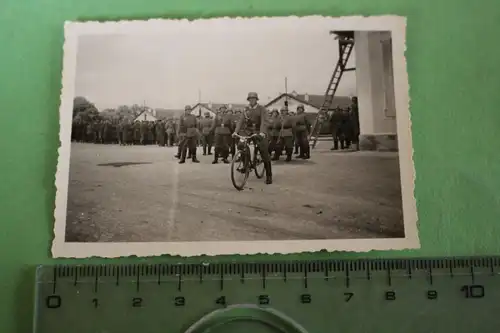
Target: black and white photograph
[(234, 136)]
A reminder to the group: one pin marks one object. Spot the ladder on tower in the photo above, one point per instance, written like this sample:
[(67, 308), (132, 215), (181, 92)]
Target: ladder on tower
[(346, 45)]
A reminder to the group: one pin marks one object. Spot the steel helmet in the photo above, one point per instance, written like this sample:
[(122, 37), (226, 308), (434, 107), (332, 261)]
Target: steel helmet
[(252, 95), (187, 107)]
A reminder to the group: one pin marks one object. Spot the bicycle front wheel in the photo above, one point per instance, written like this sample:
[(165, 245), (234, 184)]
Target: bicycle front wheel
[(258, 163), (240, 169)]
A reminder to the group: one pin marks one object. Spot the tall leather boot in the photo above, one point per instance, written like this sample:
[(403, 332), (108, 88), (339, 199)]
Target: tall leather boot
[(225, 156), (179, 152), (216, 156), (209, 150), (277, 152), (269, 172), (307, 152), (183, 156), (193, 156), (289, 152), (204, 150), (335, 144)]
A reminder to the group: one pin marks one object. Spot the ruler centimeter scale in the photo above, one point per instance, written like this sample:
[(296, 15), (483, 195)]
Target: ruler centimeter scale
[(382, 295)]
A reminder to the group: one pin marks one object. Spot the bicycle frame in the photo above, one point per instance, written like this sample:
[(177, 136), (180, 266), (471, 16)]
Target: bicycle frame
[(246, 140)]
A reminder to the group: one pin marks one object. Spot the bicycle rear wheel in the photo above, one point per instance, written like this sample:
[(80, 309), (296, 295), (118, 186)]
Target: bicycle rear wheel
[(240, 167), (258, 163)]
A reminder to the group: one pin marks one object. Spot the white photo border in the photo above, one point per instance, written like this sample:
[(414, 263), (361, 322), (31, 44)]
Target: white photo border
[(62, 249)]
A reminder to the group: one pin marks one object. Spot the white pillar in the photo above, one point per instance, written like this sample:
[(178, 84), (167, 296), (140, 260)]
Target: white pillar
[(375, 88)]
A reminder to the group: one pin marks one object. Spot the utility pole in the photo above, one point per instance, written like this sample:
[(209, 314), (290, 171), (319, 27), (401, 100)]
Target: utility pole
[(286, 92)]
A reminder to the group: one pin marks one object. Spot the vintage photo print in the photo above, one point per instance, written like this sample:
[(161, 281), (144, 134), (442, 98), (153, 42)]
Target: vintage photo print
[(234, 136)]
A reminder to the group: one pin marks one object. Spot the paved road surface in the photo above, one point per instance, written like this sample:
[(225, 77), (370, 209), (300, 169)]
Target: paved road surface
[(141, 194)]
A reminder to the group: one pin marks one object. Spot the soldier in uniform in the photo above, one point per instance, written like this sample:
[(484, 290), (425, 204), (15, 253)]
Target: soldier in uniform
[(254, 120), (222, 126), (286, 135), (302, 127), (355, 122), (232, 141), (143, 128), (207, 133), (274, 129), (136, 132), (170, 130), (346, 128), (160, 133), (335, 126), (189, 128), (127, 131)]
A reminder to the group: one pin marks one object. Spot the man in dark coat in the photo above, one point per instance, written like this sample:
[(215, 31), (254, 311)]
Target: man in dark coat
[(286, 134), (354, 115), (207, 133), (188, 128), (302, 127), (346, 129), (274, 129), (222, 126), (254, 120), (335, 127)]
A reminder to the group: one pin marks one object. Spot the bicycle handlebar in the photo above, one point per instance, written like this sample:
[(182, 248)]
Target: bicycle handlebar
[(245, 137)]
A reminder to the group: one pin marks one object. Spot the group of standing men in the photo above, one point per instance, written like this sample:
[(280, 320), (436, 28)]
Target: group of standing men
[(278, 133), (344, 126), (124, 132)]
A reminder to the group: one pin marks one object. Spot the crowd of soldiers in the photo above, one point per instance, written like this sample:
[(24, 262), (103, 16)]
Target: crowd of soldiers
[(286, 136), (284, 131), (344, 126), (125, 132)]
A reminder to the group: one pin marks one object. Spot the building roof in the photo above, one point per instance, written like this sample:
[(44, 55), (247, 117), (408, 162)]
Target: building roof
[(168, 113), (315, 100), (214, 107)]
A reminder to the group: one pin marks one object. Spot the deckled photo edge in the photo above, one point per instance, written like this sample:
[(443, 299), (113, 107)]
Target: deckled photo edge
[(61, 249), (70, 46)]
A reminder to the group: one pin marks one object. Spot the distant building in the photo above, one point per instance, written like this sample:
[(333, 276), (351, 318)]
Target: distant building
[(167, 113), (212, 108), (146, 116), (312, 103)]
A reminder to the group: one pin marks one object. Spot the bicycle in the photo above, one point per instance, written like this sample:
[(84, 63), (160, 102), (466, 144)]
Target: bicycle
[(248, 160)]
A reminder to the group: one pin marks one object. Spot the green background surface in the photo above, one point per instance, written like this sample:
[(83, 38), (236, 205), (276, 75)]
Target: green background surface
[(454, 73)]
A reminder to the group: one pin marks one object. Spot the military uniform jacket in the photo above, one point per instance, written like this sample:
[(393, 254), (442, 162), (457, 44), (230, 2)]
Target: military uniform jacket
[(301, 123), (355, 118), (188, 125), (223, 124), (254, 120), (170, 127), (287, 126), (274, 126), (335, 120), (206, 126)]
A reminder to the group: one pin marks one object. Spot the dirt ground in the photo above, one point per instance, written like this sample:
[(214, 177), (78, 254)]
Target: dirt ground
[(141, 194)]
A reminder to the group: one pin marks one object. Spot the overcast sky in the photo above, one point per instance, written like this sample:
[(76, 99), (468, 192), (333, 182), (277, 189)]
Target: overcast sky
[(224, 62)]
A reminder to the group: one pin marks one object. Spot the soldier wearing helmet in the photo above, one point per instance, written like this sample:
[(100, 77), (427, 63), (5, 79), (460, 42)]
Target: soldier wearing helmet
[(286, 134), (188, 134), (336, 128), (207, 133), (255, 120), (222, 126), (170, 132), (302, 128), (274, 128), (355, 121)]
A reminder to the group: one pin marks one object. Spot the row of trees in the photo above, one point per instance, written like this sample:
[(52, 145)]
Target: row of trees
[(86, 111)]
